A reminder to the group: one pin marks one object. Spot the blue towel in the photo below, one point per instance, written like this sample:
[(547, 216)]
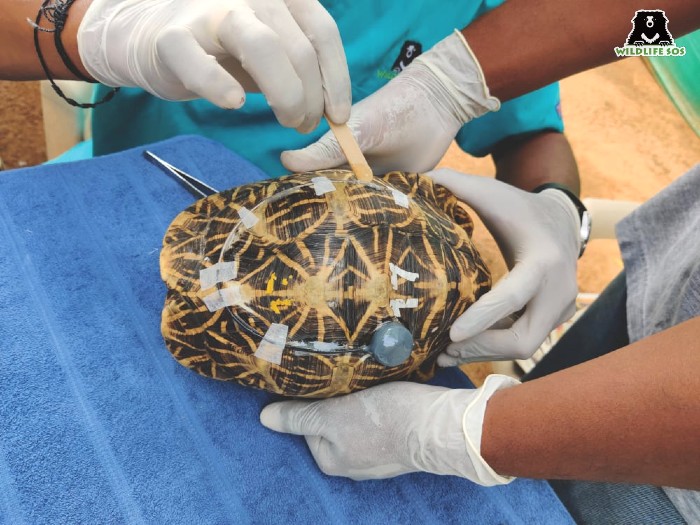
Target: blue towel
[(99, 424)]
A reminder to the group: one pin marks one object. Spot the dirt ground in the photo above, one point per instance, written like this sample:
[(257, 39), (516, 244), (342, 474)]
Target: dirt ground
[(21, 128), (628, 139)]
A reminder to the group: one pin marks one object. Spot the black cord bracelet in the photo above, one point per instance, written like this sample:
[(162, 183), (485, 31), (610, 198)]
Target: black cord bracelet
[(57, 14)]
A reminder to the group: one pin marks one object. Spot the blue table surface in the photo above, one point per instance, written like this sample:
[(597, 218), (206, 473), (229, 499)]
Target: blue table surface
[(99, 424)]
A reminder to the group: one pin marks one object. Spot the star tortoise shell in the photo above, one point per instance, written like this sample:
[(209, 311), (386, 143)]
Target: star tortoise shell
[(281, 284)]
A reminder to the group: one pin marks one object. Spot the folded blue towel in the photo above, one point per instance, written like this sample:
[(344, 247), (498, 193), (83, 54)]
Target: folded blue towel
[(99, 424)]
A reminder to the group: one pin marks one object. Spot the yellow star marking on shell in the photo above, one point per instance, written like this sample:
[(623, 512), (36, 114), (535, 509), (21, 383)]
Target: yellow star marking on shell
[(271, 284), (276, 304)]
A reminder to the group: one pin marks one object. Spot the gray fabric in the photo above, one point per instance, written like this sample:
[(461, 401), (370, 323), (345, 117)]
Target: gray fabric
[(660, 244), (687, 502), (592, 503)]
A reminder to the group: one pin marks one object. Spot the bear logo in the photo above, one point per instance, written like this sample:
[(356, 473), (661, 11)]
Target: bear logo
[(409, 51), (649, 28)]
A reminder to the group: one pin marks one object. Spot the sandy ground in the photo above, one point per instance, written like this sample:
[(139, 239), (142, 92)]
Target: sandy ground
[(21, 129), (627, 137)]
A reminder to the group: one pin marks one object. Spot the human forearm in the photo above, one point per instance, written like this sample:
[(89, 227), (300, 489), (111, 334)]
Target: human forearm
[(210, 49), (526, 44), (527, 162), (632, 415), (19, 60)]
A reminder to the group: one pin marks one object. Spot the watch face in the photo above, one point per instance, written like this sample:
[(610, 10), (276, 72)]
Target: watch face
[(585, 231)]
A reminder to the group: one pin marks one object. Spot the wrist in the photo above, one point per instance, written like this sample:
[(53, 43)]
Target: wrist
[(456, 80), (95, 41), (90, 38), (472, 427), (52, 28), (70, 34), (576, 209)]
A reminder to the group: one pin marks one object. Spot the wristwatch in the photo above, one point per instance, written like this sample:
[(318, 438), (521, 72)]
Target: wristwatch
[(583, 213)]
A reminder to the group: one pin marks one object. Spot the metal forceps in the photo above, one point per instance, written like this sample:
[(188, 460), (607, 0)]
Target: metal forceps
[(195, 186)]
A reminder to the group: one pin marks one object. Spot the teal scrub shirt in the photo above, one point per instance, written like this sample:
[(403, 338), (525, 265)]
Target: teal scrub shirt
[(374, 33)]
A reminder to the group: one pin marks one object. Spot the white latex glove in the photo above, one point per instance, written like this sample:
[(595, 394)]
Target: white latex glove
[(409, 123), (538, 234), (394, 429), (184, 49)]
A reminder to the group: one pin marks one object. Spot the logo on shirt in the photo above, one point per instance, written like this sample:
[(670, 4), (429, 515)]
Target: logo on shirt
[(409, 51), (649, 36)]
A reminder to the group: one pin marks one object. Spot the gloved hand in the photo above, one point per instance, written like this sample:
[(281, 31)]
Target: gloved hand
[(409, 123), (183, 49), (394, 429), (538, 234)]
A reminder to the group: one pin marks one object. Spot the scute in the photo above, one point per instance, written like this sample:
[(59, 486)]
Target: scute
[(329, 268)]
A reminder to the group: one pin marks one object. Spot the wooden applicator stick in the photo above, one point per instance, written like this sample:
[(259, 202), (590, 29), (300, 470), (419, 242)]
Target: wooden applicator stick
[(352, 151)]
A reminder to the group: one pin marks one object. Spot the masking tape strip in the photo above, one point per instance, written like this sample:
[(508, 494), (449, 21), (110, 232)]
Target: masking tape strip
[(322, 185), (219, 273), (247, 217), (400, 198), (229, 296), (397, 304), (272, 345), (397, 272)]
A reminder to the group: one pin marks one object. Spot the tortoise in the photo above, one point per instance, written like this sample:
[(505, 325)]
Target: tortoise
[(318, 284)]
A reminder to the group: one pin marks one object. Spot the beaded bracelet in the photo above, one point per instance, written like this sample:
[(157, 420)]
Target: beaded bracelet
[(57, 14)]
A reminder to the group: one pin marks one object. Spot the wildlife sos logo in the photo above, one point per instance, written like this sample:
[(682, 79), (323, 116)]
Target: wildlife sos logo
[(649, 36), (410, 50)]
